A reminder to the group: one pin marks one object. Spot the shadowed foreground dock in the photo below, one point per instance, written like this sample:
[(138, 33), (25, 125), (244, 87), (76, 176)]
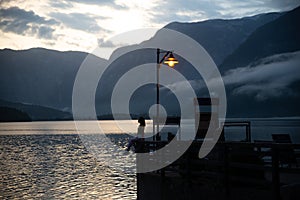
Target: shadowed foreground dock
[(233, 170)]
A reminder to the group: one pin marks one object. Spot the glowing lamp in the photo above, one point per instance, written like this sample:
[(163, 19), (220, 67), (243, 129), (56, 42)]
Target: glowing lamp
[(171, 61)]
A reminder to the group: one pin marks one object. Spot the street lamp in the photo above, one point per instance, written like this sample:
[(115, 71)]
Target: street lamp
[(171, 61)]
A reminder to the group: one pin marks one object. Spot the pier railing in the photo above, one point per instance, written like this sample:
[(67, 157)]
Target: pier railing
[(265, 165)]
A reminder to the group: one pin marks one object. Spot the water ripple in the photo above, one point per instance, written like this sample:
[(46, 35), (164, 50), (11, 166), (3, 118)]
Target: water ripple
[(57, 167)]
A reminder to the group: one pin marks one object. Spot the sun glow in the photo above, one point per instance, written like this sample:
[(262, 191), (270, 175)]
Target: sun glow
[(126, 21)]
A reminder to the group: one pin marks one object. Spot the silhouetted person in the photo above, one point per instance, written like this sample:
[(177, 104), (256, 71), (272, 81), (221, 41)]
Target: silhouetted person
[(140, 134), (141, 128)]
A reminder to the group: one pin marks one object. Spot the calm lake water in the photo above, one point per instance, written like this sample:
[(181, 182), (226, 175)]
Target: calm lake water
[(49, 160)]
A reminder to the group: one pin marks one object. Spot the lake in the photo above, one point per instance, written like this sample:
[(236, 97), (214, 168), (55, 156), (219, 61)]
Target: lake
[(51, 160), (47, 160)]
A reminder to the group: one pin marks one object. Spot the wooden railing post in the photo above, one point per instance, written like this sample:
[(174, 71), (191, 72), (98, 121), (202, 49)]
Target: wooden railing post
[(275, 173), (248, 132)]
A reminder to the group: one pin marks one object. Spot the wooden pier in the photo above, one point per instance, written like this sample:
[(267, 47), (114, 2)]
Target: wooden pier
[(233, 170), (243, 170)]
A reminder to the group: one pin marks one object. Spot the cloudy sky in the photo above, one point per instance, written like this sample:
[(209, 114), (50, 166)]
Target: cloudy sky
[(84, 24)]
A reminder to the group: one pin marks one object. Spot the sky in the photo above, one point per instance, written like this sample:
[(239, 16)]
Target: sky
[(82, 25)]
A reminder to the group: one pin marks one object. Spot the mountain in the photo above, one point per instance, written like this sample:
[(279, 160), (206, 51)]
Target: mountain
[(278, 36), (221, 37), (40, 76), (34, 112), (13, 115)]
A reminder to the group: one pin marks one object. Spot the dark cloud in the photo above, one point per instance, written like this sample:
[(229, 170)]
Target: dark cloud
[(24, 22), (79, 21), (45, 32)]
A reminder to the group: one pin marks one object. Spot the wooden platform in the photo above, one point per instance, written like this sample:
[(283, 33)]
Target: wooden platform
[(233, 170)]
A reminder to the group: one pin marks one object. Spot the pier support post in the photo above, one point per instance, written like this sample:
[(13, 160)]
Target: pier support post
[(226, 172)]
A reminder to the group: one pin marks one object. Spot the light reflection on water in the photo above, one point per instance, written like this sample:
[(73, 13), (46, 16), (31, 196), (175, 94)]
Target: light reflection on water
[(58, 167)]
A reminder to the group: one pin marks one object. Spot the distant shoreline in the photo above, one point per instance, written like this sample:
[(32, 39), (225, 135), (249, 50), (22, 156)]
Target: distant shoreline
[(147, 118)]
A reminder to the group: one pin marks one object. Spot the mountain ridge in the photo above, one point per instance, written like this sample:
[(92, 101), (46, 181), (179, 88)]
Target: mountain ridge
[(219, 34), (40, 76), (37, 112), (278, 36)]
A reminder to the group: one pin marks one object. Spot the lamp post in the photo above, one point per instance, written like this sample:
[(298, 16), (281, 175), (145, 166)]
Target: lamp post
[(169, 59)]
